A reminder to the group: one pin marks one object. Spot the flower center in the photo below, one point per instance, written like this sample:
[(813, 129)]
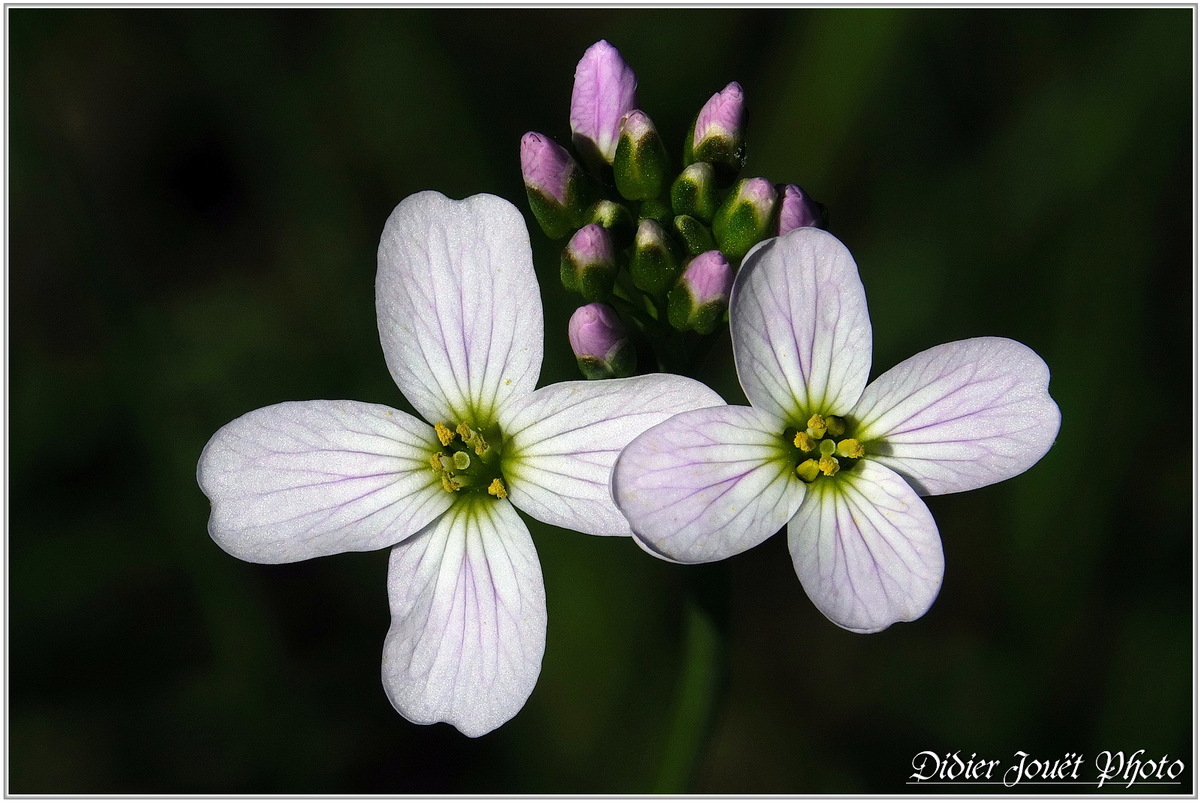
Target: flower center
[(821, 448), (467, 462)]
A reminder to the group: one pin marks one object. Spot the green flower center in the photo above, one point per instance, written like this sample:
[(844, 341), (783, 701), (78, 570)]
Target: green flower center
[(823, 448), (469, 460)]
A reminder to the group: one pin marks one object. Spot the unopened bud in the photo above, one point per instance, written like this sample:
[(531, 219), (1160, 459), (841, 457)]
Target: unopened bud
[(616, 218), (746, 217), (654, 264), (717, 134), (695, 192), (588, 266), (695, 235), (797, 210), (640, 165), (701, 295), (557, 189), (604, 92), (601, 342)]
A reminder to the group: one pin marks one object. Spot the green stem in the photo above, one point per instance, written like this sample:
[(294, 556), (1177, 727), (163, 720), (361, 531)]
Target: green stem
[(701, 676)]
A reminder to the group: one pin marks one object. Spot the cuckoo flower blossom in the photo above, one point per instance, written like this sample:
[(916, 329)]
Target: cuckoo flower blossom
[(461, 329), (840, 462)]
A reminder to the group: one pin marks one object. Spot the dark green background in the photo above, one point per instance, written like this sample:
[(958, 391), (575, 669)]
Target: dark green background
[(195, 201)]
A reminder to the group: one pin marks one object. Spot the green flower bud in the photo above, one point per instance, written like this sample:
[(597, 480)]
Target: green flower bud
[(701, 296), (695, 235), (695, 192), (654, 265), (588, 266), (746, 217), (640, 167), (616, 218)]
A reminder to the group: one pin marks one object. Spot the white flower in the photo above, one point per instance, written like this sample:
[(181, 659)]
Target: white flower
[(460, 320), (840, 462)]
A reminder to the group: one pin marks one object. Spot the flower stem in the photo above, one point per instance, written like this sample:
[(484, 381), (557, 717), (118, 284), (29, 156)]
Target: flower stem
[(701, 677)]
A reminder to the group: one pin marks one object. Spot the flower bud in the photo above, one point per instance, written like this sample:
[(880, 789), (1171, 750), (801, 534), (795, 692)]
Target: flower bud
[(717, 134), (604, 92), (746, 217), (695, 192), (601, 342), (616, 218), (797, 209), (654, 264), (557, 189), (588, 266), (695, 235), (701, 295), (640, 165)]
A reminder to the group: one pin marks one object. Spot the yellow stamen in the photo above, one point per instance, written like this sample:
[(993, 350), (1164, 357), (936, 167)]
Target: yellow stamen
[(435, 461), (496, 489), (808, 470), (835, 425), (850, 448), (443, 432), (804, 442), (464, 431), (449, 484), (828, 465), (816, 426), (479, 444)]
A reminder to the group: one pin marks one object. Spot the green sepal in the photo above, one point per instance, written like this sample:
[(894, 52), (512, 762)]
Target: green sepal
[(695, 192), (620, 364), (684, 315), (640, 169), (616, 218), (738, 226), (654, 267), (655, 209), (558, 220), (695, 235)]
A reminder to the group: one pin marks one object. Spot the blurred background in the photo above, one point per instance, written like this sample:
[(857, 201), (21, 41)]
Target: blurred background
[(195, 200)]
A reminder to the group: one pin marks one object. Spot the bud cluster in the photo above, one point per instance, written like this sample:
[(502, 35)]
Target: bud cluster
[(660, 245)]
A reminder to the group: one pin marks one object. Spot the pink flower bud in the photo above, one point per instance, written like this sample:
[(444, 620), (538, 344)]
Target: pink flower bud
[(723, 118), (604, 92), (708, 278), (797, 209), (546, 166), (596, 332), (591, 245)]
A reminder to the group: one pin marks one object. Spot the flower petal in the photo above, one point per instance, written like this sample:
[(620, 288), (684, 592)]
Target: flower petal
[(707, 484), (801, 334), (866, 549), (303, 479), (961, 415), (460, 318), (468, 619), (563, 440)]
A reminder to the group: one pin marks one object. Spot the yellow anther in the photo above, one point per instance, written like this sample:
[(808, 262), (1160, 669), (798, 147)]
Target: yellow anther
[(808, 470), (804, 442), (464, 431), (443, 432), (816, 426), (479, 444), (828, 465), (835, 425), (462, 460), (850, 448), (449, 483), (435, 460), (496, 489)]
